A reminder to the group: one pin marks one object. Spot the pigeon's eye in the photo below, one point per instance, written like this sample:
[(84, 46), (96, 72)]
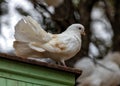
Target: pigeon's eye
[(79, 28)]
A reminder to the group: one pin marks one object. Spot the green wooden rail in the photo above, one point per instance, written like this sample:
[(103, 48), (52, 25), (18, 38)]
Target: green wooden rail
[(15, 71)]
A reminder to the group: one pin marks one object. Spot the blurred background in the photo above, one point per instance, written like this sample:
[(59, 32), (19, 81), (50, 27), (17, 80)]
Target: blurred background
[(101, 19)]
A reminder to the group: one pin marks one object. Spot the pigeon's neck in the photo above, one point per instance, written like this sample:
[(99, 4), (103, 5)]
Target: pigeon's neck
[(73, 32)]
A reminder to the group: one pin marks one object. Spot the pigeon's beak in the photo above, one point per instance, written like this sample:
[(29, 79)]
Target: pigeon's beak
[(83, 33)]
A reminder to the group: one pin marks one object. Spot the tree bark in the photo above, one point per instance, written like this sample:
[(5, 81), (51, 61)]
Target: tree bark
[(116, 26)]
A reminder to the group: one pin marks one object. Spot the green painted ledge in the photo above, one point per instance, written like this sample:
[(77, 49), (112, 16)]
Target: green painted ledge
[(16, 71)]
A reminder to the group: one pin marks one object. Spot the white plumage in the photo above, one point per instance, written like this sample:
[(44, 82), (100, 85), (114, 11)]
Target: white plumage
[(33, 41)]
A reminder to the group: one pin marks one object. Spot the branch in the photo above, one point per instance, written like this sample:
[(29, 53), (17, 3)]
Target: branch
[(38, 3), (45, 8), (117, 13)]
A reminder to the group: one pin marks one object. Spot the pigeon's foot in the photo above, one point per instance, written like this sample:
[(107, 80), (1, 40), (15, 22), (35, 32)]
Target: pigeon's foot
[(62, 63)]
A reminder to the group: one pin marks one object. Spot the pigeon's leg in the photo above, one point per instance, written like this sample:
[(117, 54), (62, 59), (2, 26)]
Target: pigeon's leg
[(58, 63), (63, 63)]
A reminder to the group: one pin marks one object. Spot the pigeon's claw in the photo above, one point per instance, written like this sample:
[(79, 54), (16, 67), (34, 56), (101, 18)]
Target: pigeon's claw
[(63, 63)]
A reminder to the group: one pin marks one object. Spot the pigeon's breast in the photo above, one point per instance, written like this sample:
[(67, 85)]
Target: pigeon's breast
[(73, 45)]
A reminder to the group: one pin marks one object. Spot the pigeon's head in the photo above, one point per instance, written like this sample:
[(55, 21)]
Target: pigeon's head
[(77, 27)]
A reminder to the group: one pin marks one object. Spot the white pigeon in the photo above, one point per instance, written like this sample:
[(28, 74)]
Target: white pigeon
[(33, 41)]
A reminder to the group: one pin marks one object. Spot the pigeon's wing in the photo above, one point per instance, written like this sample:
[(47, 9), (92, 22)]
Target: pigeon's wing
[(53, 48), (36, 46), (54, 45), (58, 44), (28, 30)]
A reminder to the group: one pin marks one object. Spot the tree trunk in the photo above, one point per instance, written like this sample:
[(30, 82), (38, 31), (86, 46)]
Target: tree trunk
[(116, 26)]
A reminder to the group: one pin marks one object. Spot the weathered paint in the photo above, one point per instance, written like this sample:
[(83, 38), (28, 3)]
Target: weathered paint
[(16, 73)]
